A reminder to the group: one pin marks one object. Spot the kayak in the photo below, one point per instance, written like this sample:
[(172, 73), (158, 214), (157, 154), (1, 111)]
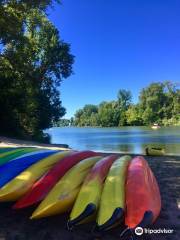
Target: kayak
[(18, 186), (62, 196), (14, 154), (11, 169), (6, 149), (11, 151), (143, 200), (112, 204), (34, 153), (87, 201), (153, 151), (42, 187)]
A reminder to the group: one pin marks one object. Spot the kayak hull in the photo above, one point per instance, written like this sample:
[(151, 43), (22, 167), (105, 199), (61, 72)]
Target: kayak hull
[(88, 198), (11, 169), (18, 186), (13, 154), (61, 198), (155, 151), (142, 194), (42, 187), (6, 149), (112, 204)]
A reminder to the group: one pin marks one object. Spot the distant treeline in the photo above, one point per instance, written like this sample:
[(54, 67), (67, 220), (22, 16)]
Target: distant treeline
[(158, 103)]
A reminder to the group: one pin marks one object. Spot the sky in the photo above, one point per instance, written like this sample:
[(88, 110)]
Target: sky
[(117, 45)]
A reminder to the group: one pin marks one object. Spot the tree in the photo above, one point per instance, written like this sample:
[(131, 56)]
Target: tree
[(108, 114), (13, 14), (86, 116), (105, 113), (124, 101), (171, 107), (62, 123), (33, 63), (152, 100), (71, 121), (159, 101), (133, 116)]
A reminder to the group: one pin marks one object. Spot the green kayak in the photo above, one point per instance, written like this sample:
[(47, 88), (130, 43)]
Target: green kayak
[(12, 154), (7, 149)]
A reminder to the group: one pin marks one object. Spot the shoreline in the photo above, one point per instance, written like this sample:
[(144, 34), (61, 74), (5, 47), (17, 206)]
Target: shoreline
[(13, 142)]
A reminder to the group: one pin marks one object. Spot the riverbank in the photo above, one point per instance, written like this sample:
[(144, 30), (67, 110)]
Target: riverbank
[(120, 140), (13, 142), (15, 225)]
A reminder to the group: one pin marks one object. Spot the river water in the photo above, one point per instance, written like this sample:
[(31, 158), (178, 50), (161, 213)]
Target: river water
[(123, 139)]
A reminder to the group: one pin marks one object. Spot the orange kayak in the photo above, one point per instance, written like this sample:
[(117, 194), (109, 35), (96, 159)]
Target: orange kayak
[(143, 200)]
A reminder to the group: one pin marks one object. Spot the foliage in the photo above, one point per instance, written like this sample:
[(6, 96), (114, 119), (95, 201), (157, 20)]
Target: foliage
[(124, 101), (107, 114), (85, 116), (158, 103), (133, 116), (63, 123), (33, 62), (13, 14)]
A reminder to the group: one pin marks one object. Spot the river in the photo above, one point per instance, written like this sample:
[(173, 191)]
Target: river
[(123, 139)]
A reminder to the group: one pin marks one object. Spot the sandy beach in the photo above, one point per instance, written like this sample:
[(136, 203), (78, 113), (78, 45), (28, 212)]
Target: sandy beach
[(15, 225), (12, 142)]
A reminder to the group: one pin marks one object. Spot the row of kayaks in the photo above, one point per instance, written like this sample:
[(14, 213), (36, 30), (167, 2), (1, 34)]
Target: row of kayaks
[(106, 189)]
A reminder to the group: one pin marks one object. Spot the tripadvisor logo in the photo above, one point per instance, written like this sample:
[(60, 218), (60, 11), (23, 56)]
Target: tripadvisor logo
[(139, 231)]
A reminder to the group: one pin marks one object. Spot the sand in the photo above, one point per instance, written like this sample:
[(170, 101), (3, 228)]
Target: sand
[(12, 142), (15, 225)]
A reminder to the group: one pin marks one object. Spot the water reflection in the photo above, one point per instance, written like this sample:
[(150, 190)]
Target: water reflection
[(124, 139)]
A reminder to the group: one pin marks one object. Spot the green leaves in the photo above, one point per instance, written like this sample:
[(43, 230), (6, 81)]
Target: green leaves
[(158, 103), (33, 62)]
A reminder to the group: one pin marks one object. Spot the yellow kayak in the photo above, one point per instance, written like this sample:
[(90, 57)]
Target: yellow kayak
[(112, 202), (87, 202), (62, 196), (154, 151), (23, 182)]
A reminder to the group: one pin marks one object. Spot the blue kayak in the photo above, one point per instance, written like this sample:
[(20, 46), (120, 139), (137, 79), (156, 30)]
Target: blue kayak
[(32, 153), (11, 169)]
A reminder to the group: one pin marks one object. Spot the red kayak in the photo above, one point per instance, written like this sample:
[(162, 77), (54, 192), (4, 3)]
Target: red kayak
[(143, 200), (42, 187)]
